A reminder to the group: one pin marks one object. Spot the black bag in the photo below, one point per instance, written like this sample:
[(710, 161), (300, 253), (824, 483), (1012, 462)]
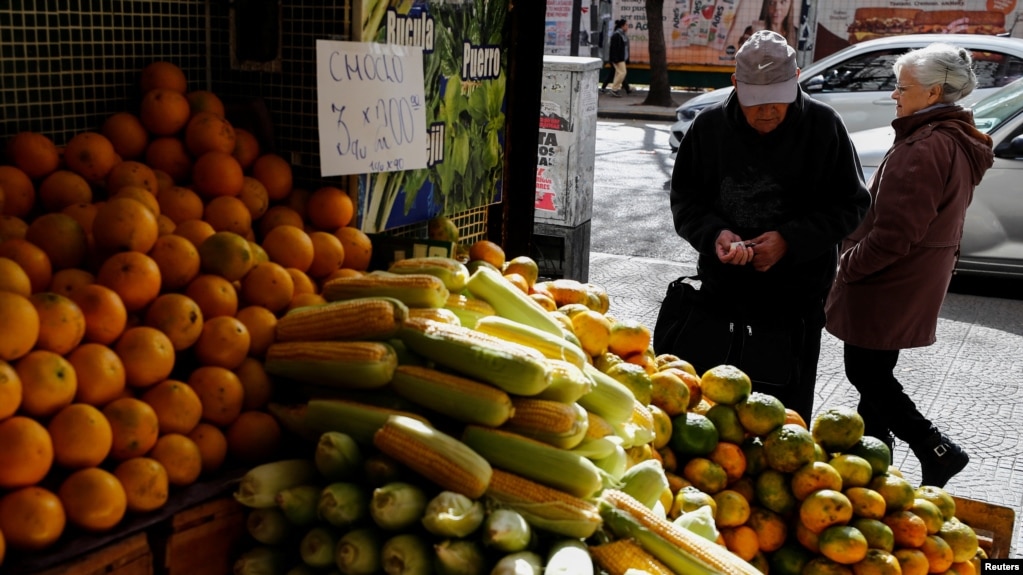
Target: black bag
[(706, 333)]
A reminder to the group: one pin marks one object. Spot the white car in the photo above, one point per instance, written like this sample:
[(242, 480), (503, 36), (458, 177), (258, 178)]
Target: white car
[(857, 81), (992, 243)]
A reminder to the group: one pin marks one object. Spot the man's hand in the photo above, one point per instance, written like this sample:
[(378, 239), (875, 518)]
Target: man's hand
[(731, 249), (768, 248)]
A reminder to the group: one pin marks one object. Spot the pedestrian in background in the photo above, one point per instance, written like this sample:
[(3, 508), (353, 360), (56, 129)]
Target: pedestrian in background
[(896, 267), (765, 186), (618, 55)]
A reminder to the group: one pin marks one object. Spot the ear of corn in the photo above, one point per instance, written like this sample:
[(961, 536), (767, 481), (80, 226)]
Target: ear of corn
[(559, 424), (639, 429), (343, 364), (543, 506), (468, 309), (617, 557), (567, 382), (360, 318), (514, 368), (259, 486), (460, 398), (596, 449), (452, 272), (645, 482), (598, 426), (550, 345), (569, 557), (509, 301), (608, 398), (435, 455), (676, 547), (414, 290), (358, 420), (437, 314), (536, 460)]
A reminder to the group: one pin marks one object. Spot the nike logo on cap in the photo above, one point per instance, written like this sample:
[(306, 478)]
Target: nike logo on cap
[(762, 66)]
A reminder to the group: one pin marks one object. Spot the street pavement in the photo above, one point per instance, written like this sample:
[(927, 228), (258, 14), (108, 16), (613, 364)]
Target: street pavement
[(970, 383)]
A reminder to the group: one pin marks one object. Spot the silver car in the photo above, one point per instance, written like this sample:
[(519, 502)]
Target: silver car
[(992, 242), (858, 80)]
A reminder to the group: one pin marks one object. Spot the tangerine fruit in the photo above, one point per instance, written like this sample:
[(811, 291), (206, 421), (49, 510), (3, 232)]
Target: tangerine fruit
[(824, 508), (180, 456), (145, 483), (100, 373), (17, 310), (135, 427), (26, 452), (358, 248), (48, 383), (126, 134), (788, 448), (31, 518), (133, 276), (103, 310), (81, 436), (93, 499), (90, 155), (63, 188)]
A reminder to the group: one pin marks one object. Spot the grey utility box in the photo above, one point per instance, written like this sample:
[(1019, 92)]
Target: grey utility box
[(565, 156)]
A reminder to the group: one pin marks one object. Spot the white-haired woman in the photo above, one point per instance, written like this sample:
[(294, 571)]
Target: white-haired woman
[(896, 267)]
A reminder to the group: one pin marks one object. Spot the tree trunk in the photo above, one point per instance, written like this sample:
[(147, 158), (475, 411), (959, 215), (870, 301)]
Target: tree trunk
[(660, 89)]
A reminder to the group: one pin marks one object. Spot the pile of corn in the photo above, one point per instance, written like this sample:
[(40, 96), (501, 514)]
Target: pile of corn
[(458, 398)]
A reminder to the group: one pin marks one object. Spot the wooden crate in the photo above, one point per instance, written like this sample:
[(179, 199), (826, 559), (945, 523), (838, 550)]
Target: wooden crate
[(204, 540), (129, 556), (993, 524)]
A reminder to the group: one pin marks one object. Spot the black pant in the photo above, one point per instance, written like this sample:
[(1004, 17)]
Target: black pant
[(799, 393), (884, 405)]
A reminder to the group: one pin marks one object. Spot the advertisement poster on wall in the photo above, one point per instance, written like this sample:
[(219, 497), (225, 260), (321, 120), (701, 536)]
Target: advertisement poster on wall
[(558, 28), (464, 71)]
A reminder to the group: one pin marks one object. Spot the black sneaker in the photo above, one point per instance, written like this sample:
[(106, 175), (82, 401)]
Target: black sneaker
[(616, 93), (940, 459)]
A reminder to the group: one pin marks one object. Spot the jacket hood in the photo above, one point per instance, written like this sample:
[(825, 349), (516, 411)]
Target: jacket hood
[(957, 123)]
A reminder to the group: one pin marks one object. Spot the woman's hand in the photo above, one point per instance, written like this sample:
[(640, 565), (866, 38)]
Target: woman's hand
[(731, 249)]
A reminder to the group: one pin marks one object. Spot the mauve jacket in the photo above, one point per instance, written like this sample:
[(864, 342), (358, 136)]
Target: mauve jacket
[(895, 268)]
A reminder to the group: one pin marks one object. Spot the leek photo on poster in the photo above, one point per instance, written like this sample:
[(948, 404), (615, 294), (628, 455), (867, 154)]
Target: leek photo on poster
[(464, 70)]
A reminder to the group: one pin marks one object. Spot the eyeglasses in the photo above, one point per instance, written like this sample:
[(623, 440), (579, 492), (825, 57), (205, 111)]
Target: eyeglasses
[(901, 88)]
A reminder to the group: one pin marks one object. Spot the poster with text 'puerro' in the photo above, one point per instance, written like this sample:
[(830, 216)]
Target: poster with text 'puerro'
[(464, 57)]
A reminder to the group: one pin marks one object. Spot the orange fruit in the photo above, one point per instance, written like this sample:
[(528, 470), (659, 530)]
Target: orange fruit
[(761, 414), (163, 180), (298, 200), (258, 253), (162, 74), (147, 354), (131, 173), (180, 204), (26, 452), (66, 281), (178, 317), (224, 342), (164, 225), (268, 285), (842, 544), (246, 148), (48, 383), (228, 214), (594, 332), (731, 458), (93, 499), (63, 188), (330, 208), (881, 562), (124, 224), (90, 155), (257, 384), (824, 508), (201, 101), (18, 191), (813, 476), (226, 254), (254, 437), (770, 527), (33, 153), (126, 134), (898, 493), (961, 537), (135, 427), (61, 237), (305, 300), (83, 213), (177, 406), (878, 535), (279, 216), (168, 154), (209, 132), (10, 390), (909, 529), (217, 174), (254, 196), (177, 259), (628, 337), (195, 231), (164, 112), (134, 276), (215, 295), (61, 322), (262, 325), (290, 247), (100, 374), (939, 497), (221, 393), (31, 518), (866, 502), (212, 446), (303, 283), (704, 474), (13, 278), (912, 561), (733, 509), (81, 436), (145, 483), (487, 251), (180, 456), (32, 259), (104, 312), (275, 174), (11, 227), (17, 310), (741, 540), (328, 254)]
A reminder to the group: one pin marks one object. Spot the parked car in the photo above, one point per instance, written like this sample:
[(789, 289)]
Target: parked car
[(858, 80), (992, 242)]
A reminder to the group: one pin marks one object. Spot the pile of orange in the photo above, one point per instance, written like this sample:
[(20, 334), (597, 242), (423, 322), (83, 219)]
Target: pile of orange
[(145, 264)]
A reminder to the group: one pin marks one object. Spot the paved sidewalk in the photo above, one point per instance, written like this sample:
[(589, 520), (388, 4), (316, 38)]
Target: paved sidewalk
[(631, 106)]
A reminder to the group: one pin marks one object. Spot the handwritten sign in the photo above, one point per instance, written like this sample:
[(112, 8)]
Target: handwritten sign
[(370, 102)]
